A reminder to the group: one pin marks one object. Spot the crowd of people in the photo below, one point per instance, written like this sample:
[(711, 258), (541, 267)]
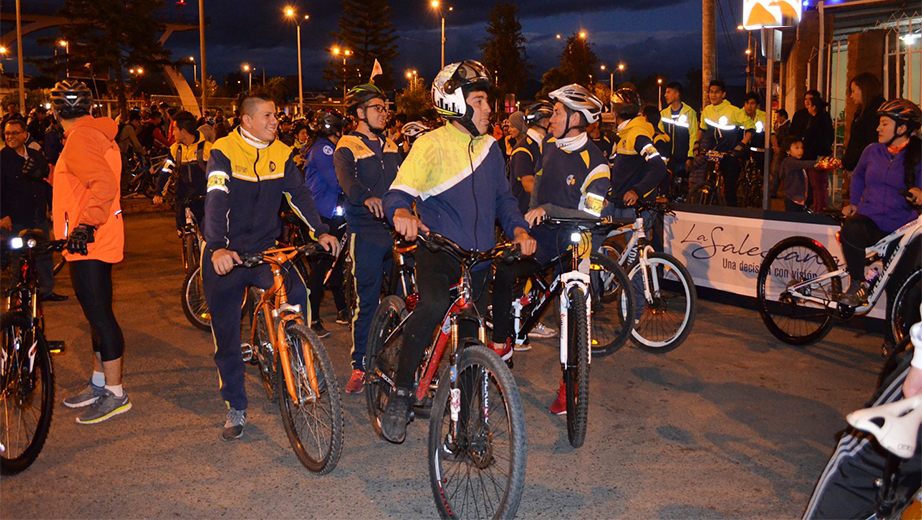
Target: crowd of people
[(459, 171)]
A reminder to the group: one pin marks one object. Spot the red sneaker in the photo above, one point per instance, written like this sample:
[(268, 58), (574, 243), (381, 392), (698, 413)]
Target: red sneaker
[(560, 404), (356, 383), (504, 350)]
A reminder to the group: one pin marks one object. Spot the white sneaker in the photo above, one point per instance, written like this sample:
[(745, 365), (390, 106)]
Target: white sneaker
[(542, 331)]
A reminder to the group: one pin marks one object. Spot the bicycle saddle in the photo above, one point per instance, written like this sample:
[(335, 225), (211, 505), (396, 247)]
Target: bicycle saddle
[(895, 425)]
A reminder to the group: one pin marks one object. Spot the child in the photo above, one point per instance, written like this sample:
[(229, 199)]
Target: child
[(793, 171)]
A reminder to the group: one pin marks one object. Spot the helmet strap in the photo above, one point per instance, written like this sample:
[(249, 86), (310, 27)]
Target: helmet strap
[(467, 121)]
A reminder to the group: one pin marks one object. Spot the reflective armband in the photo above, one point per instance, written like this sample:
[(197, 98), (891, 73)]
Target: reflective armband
[(592, 204)]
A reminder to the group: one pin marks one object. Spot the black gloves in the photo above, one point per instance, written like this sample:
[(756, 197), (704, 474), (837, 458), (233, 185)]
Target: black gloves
[(79, 238)]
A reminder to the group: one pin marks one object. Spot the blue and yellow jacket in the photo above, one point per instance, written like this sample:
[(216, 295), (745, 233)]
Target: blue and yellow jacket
[(682, 131), (637, 165), (190, 163), (365, 168), (723, 125), (573, 177), (459, 186), (320, 176), (525, 160), (247, 182), (758, 126)]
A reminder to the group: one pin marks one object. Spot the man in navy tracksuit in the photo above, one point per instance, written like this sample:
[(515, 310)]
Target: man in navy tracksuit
[(366, 163), (249, 174)]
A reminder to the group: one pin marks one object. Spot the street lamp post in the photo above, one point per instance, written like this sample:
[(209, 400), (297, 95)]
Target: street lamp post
[(66, 45), (249, 71), (290, 13), (194, 69), (621, 72), (435, 5), (345, 53), (659, 88)]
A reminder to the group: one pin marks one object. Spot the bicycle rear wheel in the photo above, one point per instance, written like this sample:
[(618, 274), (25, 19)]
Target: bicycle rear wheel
[(904, 309), (663, 322), (576, 375), (480, 471), (382, 358), (790, 318), (193, 301), (611, 305), (26, 396), (313, 421)]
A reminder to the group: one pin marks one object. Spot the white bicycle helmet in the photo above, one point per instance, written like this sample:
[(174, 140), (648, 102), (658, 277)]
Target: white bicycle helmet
[(414, 129), (450, 89), (578, 99)]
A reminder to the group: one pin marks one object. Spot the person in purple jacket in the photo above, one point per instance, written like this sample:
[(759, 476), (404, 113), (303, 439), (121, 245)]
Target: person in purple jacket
[(885, 193)]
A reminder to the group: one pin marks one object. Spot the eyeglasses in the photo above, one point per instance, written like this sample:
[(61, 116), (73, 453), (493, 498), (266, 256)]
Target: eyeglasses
[(382, 109), (12, 134)]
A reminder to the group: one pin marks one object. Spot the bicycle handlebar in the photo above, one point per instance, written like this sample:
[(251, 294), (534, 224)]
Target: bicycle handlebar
[(583, 224), (268, 256), (435, 242), (29, 243)]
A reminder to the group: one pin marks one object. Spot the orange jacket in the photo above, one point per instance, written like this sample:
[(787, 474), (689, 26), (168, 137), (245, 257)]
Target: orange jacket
[(86, 188)]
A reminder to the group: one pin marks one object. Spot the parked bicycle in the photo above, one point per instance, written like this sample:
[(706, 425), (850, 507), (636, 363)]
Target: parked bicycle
[(26, 369), (711, 192), (749, 186), (800, 282), (193, 301), (477, 443), (666, 301), (141, 177), (295, 367)]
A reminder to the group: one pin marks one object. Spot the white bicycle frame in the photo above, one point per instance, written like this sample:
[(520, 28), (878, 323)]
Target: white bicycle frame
[(631, 249), (876, 252)]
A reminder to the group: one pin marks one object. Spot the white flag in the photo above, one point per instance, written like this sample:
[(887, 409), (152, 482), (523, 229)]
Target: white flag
[(376, 70)]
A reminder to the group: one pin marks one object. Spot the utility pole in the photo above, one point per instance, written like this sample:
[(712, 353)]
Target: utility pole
[(22, 83), (708, 48), (201, 40)]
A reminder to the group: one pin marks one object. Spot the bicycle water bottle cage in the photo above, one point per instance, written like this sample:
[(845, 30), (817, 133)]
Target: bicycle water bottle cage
[(894, 425)]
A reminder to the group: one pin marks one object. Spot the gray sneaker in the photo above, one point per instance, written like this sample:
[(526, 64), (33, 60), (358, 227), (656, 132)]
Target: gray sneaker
[(90, 394), (233, 426), (106, 407), (542, 331)]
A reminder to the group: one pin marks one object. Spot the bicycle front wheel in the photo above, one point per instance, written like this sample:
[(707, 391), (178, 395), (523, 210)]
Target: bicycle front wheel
[(790, 317), (576, 375), (193, 301), (313, 421), (612, 305), (26, 394), (382, 357), (664, 320), (904, 309), (477, 461)]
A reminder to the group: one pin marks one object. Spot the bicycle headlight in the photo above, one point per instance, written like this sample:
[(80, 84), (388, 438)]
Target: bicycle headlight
[(16, 243), (339, 211), (576, 237)]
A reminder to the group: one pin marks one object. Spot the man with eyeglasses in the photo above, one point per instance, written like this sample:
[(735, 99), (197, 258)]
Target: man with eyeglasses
[(366, 163)]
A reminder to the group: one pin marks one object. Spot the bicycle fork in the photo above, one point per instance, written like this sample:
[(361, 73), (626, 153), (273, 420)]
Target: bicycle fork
[(573, 279)]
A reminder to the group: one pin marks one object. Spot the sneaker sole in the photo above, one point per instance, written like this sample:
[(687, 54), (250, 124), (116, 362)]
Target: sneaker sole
[(322, 336), (81, 404), (226, 438), (541, 335), (120, 410), (559, 413), (521, 348)]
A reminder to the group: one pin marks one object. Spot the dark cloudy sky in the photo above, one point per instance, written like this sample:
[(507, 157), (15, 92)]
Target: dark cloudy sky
[(649, 36)]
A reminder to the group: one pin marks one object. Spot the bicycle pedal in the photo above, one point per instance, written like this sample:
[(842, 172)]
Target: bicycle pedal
[(56, 347), (247, 351), (510, 363)]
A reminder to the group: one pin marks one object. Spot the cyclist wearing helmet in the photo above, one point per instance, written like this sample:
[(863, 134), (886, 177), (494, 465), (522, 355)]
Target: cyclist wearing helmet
[(724, 128), (86, 210), (366, 164), (411, 132), (527, 152), (877, 206), (320, 178), (572, 180), (456, 177)]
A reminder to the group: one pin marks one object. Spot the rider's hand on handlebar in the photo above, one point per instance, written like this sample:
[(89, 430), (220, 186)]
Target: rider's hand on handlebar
[(915, 196), (534, 217), (329, 243), (408, 224), (630, 198), (849, 210), (224, 261), (375, 206), (158, 200), (526, 243)]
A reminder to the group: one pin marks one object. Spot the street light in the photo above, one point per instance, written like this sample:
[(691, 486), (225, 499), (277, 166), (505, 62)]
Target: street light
[(290, 13), (194, 69), (611, 78), (582, 34), (345, 52), (659, 88), (558, 36), (66, 45), (249, 70), (436, 5)]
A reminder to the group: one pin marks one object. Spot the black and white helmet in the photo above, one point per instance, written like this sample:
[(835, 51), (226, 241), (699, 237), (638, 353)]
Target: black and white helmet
[(414, 129), (71, 99), (577, 98), (626, 102), (450, 89), (536, 112)]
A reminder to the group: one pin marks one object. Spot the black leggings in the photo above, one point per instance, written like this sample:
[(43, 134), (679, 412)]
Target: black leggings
[(92, 280), (858, 232)]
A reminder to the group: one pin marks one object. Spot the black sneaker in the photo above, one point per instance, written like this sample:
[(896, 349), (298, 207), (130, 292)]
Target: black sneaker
[(397, 415), (233, 425), (856, 295), (317, 327), (344, 317)]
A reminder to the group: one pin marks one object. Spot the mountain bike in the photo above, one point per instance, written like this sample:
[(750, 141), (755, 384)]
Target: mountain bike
[(294, 365), (666, 299), (141, 180), (193, 301), (26, 370), (477, 444), (749, 186), (711, 193), (799, 285)]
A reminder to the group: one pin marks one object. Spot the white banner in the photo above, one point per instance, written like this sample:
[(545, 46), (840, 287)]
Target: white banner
[(724, 252)]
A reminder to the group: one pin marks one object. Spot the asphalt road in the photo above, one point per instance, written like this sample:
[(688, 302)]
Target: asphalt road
[(733, 424)]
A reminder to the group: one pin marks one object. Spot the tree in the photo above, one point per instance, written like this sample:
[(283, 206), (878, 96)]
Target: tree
[(414, 100), (577, 64), (365, 30), (504, 49), (111, 36), (275, 89)]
